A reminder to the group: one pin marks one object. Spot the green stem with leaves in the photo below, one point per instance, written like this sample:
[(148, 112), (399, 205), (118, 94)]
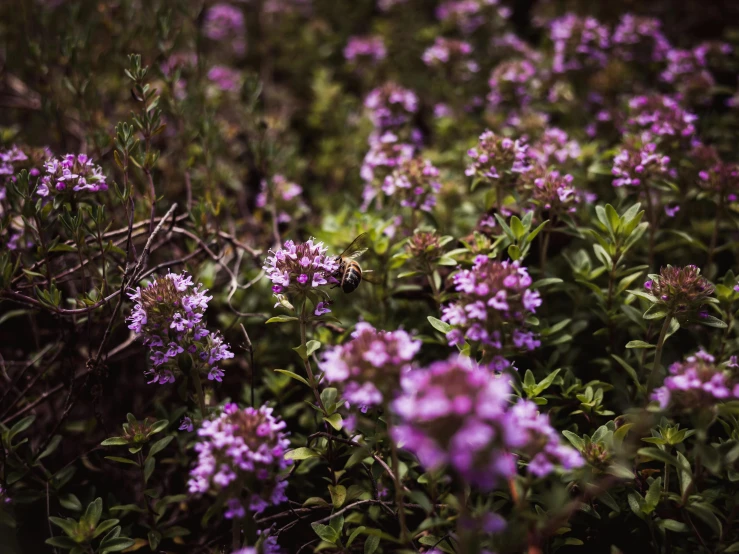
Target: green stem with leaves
[(654, 375)]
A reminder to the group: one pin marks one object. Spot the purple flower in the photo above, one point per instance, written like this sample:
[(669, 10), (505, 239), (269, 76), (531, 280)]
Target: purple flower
[(71, 174), (298, 268), (186, 425), (579, 43), (659, 118), (413, 184), (550, 191), (367, 50), (225, 78), (697, 383), (493, 302), (321, 309), (469, 15), (513, 84), (240, 458), (224, 22), (391, 106), (168, 317), (457, 413), (454, 56), (640, 39), (370, 365), (498, 159), (638, 163)]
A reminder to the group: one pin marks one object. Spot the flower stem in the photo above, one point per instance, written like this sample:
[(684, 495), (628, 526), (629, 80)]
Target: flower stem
[(399, 494), (199, 391), (658, 354), (235, 534)]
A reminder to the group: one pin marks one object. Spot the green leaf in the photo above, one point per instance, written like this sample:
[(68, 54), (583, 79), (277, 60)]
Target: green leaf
[(711, 321), (660, 455), (114, 441), (620, 471), (149, 468), (325, 532), (281, 319), (576, 441), (302, 352), (541, 283), (639, 344), (517, 227), (704, 512), (159, 426), (53, 445), (104, 526), (514, 252), (655, 311), (312, 346), (630, 370), (61, 542), (335, 421), (654, 494), (93, 512), (116, 545), (674, 526), (70, 502), (355, 534), (121, 460), (338, 495), (158, 446), (302, 453), (371, 544), (293, 375), (439, 325), (68, 525), (21, 426)]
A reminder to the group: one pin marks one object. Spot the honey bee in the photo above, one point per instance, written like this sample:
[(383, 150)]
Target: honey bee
[(350, 272)]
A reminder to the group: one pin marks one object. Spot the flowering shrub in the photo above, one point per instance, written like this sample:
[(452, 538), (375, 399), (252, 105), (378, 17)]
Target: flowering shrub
[(534, 206)]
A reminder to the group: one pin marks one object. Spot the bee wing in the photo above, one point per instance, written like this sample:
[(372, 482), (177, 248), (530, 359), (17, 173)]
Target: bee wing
[(358, 247), (368, 276)]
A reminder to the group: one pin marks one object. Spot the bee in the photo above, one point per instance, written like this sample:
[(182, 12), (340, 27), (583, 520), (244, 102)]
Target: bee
[(350, 272)]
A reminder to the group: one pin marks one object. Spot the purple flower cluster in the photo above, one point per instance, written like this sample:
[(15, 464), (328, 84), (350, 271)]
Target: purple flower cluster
[(285, 195), (469, 15), (494, 300), (579, 43), (687, 70), (365, 50), (225, 23), (8, 160), (661, 117), (638, 162), (453, 55), (299, 268), (391, 106), (640, 39), (513, 83), (385, 154), (498, 159), (554, 147), (225, 78), (720, 178), (695, 383), (168, 316), (551, 191), (241, 459), (71, 173), (371, 364), (459, 414), (414, 184)]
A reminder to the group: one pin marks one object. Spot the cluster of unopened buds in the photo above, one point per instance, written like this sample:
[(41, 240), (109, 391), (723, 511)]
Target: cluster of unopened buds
[(681, 292)]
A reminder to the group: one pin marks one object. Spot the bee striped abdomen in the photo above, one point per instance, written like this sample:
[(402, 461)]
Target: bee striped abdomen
[(352, 277)]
